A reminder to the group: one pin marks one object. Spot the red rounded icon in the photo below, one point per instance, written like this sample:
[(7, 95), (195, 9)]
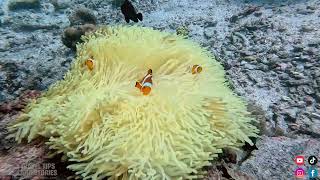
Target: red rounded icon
[(299, 160)]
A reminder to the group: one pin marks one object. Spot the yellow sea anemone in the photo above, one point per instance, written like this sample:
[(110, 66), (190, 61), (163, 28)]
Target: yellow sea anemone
[(107, 128)]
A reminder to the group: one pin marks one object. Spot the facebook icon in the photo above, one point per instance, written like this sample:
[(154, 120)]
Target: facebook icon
[(313, 173)]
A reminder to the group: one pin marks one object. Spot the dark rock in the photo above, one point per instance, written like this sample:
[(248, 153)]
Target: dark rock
[(82, 16), (72, 35), (297, 48), (23, 4), (302, 58), (257, 14), (212, 23), (305, 11), (314, 42), (308, 100)]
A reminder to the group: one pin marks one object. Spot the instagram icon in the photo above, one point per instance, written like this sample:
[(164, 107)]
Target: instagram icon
[(299, 173)]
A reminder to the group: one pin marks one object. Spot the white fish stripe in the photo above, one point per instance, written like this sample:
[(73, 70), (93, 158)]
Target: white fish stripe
[(197, 68), (147, 84), (143, 81)]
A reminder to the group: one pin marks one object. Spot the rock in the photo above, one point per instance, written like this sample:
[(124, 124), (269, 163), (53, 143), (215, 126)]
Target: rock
[(212, 23), (314, 42), (305, 11), (297, 48), (296, 75), (21, 160), (283, 54), (306, 28), (60, 4), (308, 100), (23, 4), (82, 16), (317, 97), (48, 8), (272, 151), (315, 115), (302, 58), (210, 32), (285, 98), (263, 67), (290, 115), (257, 14), (282, 66), (72, 35), (293, 82)]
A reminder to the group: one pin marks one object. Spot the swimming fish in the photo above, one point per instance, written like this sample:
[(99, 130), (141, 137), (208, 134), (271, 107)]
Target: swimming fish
[(130, 12), (89, 63), (145, 84), (196, 69)]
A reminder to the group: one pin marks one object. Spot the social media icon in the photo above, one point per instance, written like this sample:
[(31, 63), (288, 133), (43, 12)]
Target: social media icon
[(299, 173), (299, 160), (312, 173), (312, 160)]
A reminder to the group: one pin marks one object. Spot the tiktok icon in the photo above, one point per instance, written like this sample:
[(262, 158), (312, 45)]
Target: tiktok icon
[(312, 160)]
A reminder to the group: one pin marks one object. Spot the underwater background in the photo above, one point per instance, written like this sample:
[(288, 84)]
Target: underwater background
[(269, 49)]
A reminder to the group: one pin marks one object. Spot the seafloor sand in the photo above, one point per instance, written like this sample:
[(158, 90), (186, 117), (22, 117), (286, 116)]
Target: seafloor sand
[(270, 50)]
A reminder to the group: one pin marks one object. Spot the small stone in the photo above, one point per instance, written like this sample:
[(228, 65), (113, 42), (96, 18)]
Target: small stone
[(308, 90), (290, 114), (282, 66), (249, 58), (293, 82), (263, 67), (302, 58), (311, 7), (211, 23), (297, 75), (285, 98), (308, 100), (317, 96), (257, 14), (60, 4), (249, 66), (305, 11), (315, 115), (306, 28), (282, 28), (314, 42), (297, 48)]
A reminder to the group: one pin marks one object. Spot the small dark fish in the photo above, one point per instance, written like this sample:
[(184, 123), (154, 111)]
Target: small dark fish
[(130, 12)]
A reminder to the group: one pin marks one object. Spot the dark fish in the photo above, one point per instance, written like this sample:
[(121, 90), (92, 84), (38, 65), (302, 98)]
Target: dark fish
[(130, 12)]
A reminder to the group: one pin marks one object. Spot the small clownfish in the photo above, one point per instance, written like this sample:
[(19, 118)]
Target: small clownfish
[(145, 84), (196, 69), (89, 64)]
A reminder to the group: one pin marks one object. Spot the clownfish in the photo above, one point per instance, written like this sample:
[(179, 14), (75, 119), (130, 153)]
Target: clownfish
[(196, 69), (89, 64), (145, 84)]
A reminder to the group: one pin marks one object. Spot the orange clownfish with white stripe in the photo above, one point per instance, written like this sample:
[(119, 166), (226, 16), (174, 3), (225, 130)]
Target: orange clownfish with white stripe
[(196, 69), (145, 84), (89, 63)]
